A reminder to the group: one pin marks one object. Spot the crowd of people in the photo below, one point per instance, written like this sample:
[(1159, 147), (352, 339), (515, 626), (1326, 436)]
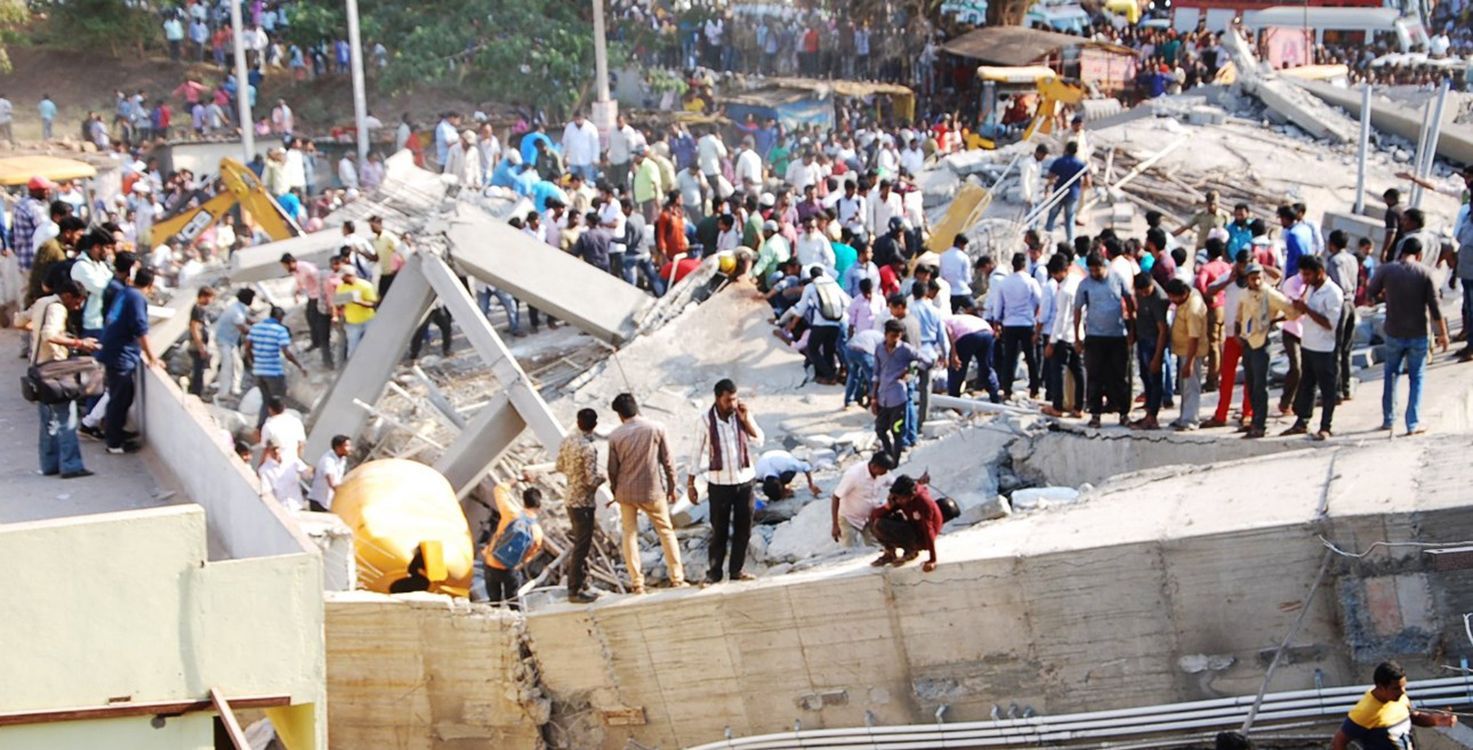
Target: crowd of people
[(201, 31)]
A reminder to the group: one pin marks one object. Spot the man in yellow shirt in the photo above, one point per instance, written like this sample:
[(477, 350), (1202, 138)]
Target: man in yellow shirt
[(1189, 344), (358, 302), (1384, 717), (647, 185), (1258, 307), (385, 253), (517, 541)]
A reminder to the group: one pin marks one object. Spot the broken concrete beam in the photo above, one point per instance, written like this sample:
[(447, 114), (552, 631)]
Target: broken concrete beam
[(1455, 142), (553, 281), (1355, 226), (486, 436)]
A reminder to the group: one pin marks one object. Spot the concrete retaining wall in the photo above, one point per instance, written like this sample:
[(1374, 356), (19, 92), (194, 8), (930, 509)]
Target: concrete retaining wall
[(191, 448), (422, 671)]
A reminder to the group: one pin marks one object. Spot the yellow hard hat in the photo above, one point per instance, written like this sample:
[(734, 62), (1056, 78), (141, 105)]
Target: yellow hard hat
[(727, 263)]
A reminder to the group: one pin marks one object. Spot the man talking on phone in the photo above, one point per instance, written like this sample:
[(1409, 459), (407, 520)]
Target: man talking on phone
[(727, 442)]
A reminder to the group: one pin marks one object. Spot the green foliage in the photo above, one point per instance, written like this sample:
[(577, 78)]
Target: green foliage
[(535, 52), (114, 25)]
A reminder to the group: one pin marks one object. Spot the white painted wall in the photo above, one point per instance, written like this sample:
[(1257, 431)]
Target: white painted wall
[(188, 732), (131, 606)]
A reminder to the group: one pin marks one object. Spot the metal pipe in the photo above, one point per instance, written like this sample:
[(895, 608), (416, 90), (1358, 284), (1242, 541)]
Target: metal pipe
[(1278, 707), (242, 87), (1433, 135), (1365, 147), (1421, 146), (1288, 638), (360, 100)]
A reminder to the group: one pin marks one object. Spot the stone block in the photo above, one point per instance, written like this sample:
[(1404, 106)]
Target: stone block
[(1034, 498)]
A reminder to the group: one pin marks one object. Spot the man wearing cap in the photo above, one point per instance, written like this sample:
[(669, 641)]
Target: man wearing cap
[(1210, 217), (30, 213), (1258, 307), (773, 252), (463, 161)]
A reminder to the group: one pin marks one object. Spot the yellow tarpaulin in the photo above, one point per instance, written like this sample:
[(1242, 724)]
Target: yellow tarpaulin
[(18, 170)]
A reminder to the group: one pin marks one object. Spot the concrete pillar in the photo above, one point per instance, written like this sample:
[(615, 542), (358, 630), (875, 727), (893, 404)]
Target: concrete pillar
[(365, 374), (498, 358), (489, 433)]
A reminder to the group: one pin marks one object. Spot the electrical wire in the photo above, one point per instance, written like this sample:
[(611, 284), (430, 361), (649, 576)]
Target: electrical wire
[(1424, 545)]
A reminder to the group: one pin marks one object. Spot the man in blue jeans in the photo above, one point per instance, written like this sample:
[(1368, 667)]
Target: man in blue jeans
[(124, 346), (1060, 173), (1411, 298)]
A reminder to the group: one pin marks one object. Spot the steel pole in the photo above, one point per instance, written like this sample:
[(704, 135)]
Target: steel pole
[(242, 87), (1416, 195), (600, 52), (360, 101), (1433, 134), (1365, 147)]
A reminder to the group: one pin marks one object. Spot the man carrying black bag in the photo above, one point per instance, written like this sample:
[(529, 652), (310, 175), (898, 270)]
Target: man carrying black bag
[(59, 450)]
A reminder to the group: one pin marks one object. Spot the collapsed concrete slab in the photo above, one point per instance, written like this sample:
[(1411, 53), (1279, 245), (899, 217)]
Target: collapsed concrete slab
[(542, 276), (1284, 98), (1454, 142)]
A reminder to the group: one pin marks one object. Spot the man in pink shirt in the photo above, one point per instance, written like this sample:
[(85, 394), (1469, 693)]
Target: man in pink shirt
[(309, 285), (971, 337), (1210, 272)]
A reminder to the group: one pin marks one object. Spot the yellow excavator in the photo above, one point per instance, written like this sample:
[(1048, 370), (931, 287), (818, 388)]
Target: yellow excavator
[(241, 188), (1053, 94)]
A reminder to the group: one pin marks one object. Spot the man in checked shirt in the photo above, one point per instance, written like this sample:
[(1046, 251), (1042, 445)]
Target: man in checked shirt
[(577, 460)]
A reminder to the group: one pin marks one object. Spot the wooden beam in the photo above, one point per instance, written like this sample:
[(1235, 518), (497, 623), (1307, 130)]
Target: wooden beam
[(227, 717), (117, 710)]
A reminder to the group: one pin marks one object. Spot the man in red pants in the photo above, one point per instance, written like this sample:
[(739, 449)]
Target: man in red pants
[(1232, 285)]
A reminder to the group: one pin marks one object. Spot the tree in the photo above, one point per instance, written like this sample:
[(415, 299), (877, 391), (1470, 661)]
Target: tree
[(13, 13), (536, 52), (114, 25)]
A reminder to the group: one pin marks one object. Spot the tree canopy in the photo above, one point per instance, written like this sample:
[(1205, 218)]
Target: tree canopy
[(534, 52)]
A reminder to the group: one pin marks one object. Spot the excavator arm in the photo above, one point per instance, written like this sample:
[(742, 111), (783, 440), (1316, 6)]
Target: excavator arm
[(242, 188), (1052, 95)]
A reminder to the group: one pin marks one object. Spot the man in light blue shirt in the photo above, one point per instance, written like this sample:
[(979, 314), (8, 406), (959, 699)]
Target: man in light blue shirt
[(47, 110), (1105, 300), (1014, 317), (232, 323), (935, 346)]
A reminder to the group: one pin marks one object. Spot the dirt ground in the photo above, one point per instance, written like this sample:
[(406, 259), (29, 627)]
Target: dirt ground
[(85, 82)]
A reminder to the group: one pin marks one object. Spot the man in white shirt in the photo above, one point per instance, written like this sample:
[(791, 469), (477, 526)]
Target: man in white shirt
[(852, 209), (884, 204), (328, 475), (863, 488), (463, 161), (282, 474), (1029, 187), (1318, 369), (822, 305), (709, 153), (912, 158), (348, 172), (956, 271), (803, 172), (623, 140), (284, 430), (1060, 354), (815, 249), (726, 441), (749, 167), (580, 147), (490, 149)]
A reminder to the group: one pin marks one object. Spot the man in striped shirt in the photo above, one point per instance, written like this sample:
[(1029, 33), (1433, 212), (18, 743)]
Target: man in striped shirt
[(270, 342), (726, 439)]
